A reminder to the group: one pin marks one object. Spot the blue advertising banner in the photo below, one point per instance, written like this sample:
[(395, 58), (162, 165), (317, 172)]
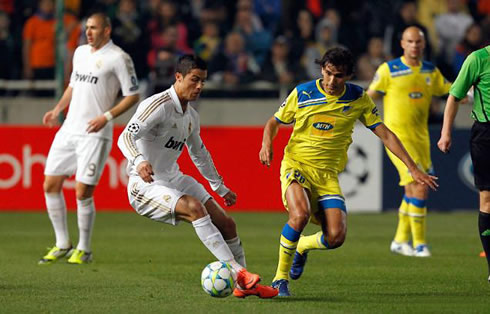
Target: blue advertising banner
[(456, 188)]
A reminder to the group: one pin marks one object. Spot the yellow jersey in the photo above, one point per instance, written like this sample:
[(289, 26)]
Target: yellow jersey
[(408, 92), (323, 124)]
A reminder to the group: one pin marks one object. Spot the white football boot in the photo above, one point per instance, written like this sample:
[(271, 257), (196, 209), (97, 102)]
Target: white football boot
[(402, 248), (422, 251)]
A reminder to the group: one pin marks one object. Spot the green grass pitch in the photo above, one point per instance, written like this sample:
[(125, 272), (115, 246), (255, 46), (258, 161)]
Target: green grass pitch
[(141, 266)]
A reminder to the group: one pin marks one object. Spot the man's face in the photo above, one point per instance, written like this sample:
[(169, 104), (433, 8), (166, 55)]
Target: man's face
[(413, 44), (334, 78), (191, 85), (96, 33)]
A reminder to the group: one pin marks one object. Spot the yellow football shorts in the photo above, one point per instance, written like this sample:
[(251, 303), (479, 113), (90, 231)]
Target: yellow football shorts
[(420, 153), (323, 186)]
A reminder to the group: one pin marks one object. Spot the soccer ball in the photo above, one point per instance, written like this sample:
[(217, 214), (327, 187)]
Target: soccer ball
[(218, 279)]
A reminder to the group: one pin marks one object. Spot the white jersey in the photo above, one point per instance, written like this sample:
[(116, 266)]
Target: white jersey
[(96, 80), (158, 132)]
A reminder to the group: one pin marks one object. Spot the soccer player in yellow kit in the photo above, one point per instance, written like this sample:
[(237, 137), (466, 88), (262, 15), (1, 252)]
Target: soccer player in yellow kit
[(407, 85), (323, 112)]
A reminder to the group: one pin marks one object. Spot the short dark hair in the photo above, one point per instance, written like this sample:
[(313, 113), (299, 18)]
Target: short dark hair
[(106, 21), (186, 63), (338, 57)]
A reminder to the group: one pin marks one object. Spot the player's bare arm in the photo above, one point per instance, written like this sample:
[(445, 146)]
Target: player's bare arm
[(270, 131), (452, 106), (99, 122), (391, 141), (373, 94), (145, 171), (51, 117)]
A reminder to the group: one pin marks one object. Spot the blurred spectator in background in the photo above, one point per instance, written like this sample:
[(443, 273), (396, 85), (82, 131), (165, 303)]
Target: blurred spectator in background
[(473, 40), (450, 28), (279, 68), (129, 34), (325, 34), (257, 40), (163, 74), (233, 65), (39, 43), (168, 16), (168, 41), (269, 12), (405, 16), (207, 45), (368, 63), (302, 37), (7, 48)]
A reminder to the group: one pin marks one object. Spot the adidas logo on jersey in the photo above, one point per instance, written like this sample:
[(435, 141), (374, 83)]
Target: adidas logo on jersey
[(86, 78), (173, 144)]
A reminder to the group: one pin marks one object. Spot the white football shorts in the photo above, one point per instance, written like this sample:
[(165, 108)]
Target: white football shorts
[(82, 155), (157, 200)]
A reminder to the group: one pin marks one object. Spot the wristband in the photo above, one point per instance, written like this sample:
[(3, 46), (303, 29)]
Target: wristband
[(108, 115)]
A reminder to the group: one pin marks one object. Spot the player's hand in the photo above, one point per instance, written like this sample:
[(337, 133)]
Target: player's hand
[(425, 179), (50, 118), (96, 124), (444, 143), (230, 198), (265, 155), (145, 171)]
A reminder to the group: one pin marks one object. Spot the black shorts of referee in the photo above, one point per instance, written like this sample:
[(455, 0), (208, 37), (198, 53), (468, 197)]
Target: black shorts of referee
[(480, 154)]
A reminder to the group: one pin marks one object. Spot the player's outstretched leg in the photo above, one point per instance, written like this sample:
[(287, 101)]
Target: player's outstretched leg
[(306, 243), (212, 238), (227, 226)]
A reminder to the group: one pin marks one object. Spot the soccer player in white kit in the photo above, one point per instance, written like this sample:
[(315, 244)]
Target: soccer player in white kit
[(84, 141), (152, 142)]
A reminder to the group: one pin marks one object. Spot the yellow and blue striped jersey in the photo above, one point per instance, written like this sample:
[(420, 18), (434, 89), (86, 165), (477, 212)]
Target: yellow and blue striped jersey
[(323, 124), (408, 92)]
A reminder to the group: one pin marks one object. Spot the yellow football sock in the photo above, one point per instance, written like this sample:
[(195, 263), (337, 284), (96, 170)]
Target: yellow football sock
[(403, 230), (311, 242), (418, 212), (287, 248)]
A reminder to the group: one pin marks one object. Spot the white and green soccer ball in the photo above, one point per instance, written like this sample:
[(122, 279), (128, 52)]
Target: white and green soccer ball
[(218, 279)]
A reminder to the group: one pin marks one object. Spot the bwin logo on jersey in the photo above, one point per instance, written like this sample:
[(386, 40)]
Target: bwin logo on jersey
[(173, 144), (322, 126), (415, 95), (89, 78)]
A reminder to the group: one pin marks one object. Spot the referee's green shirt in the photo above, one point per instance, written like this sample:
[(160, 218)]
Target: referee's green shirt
[(475, 71)]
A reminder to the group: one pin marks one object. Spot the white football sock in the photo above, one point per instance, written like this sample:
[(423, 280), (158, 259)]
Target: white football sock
[(236, 248), (86, 218), (213, 240), (56, 206)]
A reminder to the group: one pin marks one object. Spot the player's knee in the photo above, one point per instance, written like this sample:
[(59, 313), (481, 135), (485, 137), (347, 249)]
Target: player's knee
[(195, 209), (52, 186), (335, 238), (298, 219)]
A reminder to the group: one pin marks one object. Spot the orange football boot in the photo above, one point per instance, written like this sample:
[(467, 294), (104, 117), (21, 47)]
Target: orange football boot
[(246, 279), (263, 292)]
